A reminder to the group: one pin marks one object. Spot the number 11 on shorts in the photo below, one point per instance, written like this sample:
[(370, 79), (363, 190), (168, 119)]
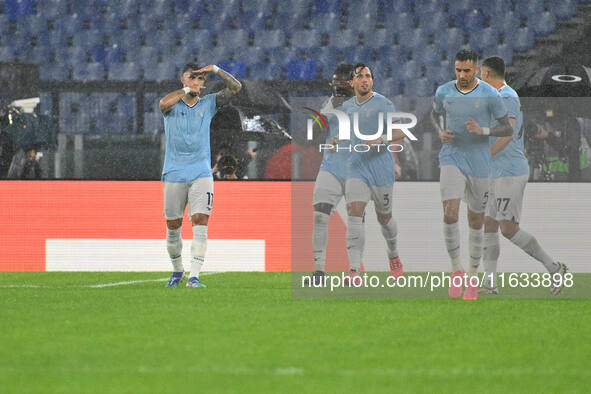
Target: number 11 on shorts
[(209, 199)]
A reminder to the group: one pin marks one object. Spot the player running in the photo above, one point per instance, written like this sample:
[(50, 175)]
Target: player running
[(370, 175), (329, 187), (464, 158), (187, 164), (509, 171)]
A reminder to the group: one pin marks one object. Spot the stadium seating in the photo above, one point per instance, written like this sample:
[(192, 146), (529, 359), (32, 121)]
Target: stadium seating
[(403, 40), (89, 72), (124, 72), (545, 24), (270, 39), (523, 39), (302, 69)]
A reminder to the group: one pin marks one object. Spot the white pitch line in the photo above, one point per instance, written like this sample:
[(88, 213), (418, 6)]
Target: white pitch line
[(19, 286), (132, 282), (99, 286), (129, 282)]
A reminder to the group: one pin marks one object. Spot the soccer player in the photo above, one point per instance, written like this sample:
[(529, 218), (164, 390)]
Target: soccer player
[(370, 175), (329, 187), (509, 171), (187, 164), (464, 158)]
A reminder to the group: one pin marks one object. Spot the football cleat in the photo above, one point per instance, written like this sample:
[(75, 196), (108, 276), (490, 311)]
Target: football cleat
[(471, 292), (317, 279), (455, 290), (559, 284), (194, 282), (175, 279), (396, 267), (352, 279), (486, 289)]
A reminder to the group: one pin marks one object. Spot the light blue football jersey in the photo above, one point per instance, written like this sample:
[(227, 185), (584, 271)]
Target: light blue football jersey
[(510, 161), (467, 151), (372, 167), (334, 162), (188, 153)]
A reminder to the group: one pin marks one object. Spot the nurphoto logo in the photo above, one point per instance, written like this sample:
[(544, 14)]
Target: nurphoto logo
[(393, 122)]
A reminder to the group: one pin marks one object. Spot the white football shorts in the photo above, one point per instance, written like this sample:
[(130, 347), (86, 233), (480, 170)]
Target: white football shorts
[(455, 184), (198, 193), (328, 189), (505, 198), (357, 190)]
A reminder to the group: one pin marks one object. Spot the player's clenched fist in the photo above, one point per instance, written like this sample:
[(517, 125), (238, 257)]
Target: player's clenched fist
[(446, 136)]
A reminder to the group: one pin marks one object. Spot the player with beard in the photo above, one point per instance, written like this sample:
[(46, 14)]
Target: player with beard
[(464, 159), (187, 164), (371, 174), (329, 187)]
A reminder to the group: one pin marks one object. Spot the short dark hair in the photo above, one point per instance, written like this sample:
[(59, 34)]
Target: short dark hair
[(496, 64), (190, 66), (466, 55), (362, 65), (345, 70)]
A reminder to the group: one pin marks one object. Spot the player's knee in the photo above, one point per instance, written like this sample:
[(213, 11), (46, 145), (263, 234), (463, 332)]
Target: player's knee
[(200, 219), (174, 224), (450, 215), (383, 219), (355, 209), (323, 208), (490, 225), (509, 229), (475, 220)]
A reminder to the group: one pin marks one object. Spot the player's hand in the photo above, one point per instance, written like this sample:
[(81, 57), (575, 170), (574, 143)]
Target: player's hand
[(334, 142), (473, 127), (190, 90), (377, 141), (206, 69), (446, 136)]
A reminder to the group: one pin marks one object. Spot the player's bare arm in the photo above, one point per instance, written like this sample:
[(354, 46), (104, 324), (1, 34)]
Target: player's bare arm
[(446, 136), (503, 129), (501, 142), (169, 101), (233, 86)]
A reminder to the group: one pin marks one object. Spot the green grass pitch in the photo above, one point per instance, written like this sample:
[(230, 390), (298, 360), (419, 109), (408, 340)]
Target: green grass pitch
[(246, 333)]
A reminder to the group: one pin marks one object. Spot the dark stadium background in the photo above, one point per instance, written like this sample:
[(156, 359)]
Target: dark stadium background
[(103, 65)]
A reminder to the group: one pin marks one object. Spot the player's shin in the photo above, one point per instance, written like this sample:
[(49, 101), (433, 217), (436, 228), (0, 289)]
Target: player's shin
[(198, 249), (319, 239), (390, 232), (355, 241), (490, 252), (475, 248), (451, 234), (529, 244), (174, 245)]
